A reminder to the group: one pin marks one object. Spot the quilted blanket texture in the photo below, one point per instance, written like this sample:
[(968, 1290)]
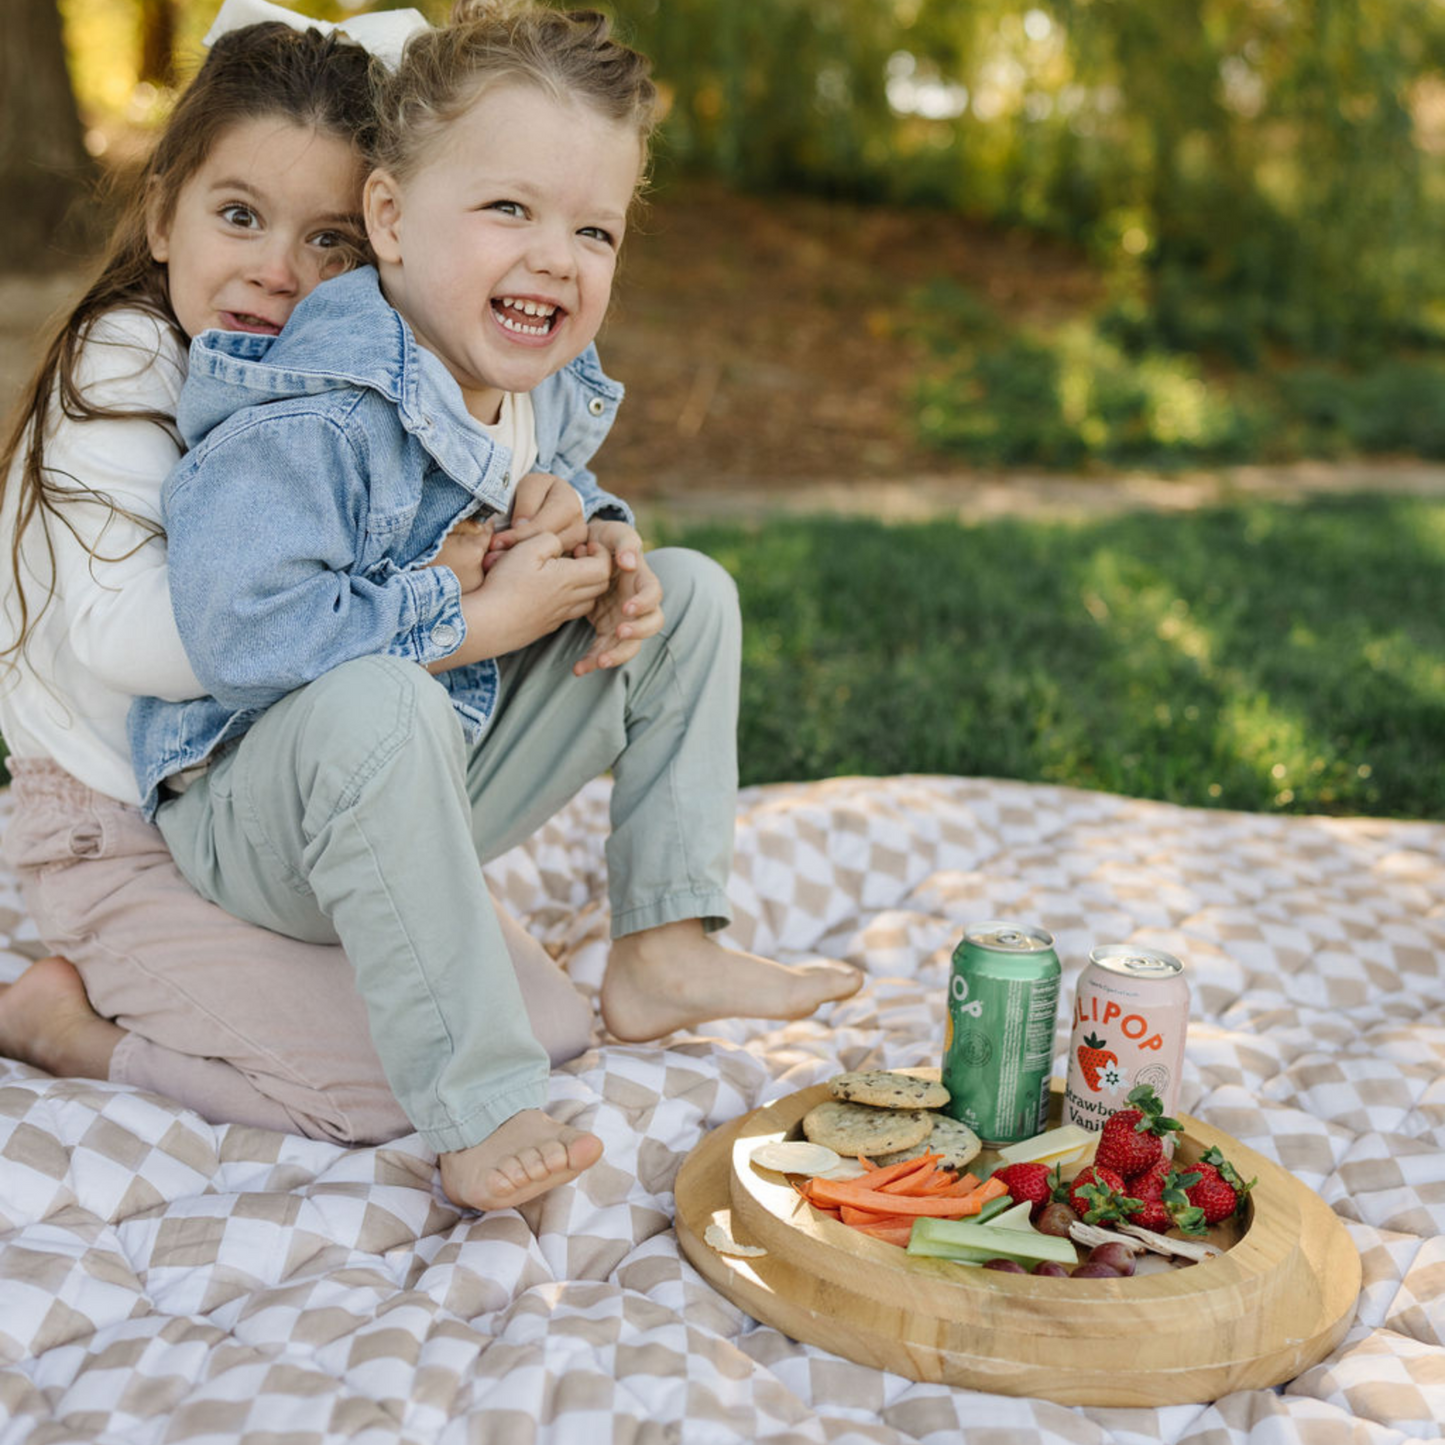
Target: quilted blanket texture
[(166, 1280)]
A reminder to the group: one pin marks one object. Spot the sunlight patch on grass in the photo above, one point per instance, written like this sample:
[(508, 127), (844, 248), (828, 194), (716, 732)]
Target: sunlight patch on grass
[(1127, 597), (1271, 743)]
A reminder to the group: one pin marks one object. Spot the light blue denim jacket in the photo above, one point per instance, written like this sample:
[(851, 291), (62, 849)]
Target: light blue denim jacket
[(327, 466)]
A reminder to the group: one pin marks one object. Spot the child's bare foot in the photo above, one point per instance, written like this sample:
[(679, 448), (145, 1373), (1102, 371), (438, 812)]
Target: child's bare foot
[(46, 1020), (525, 1157), (676, 977)]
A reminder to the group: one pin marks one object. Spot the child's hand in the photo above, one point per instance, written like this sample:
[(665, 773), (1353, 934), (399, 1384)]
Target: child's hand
[(630, 610), (531, 591), (465, 551), (543, 503)]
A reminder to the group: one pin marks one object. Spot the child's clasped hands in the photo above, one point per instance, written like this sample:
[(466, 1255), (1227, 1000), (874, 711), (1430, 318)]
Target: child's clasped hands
[(554, 566)]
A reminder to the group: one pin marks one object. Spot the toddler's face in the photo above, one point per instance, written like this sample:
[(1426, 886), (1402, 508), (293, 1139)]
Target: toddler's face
[(270, 214), (500, 250)]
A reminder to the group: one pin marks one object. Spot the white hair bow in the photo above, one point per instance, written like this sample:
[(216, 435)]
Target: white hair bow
[(384, 34)]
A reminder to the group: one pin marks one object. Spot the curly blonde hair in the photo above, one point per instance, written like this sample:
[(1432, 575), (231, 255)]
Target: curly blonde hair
[(568, 55)]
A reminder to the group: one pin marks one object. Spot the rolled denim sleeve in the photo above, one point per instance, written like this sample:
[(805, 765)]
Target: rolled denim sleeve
[(264, 521), (438, 628)]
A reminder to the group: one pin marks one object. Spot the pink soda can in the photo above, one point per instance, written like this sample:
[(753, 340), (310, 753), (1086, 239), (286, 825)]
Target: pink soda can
[(1131, 1013)]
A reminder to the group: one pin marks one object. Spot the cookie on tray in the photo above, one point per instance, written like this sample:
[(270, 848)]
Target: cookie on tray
[(956, 1142), (886, 1090), (853, 1129)]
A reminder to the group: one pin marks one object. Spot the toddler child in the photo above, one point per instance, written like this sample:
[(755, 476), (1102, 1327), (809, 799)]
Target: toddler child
[(375, 728), (250, 198)]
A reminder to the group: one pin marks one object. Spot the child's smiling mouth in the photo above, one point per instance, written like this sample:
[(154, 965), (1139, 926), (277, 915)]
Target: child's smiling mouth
[(526, 318), (245, 321)]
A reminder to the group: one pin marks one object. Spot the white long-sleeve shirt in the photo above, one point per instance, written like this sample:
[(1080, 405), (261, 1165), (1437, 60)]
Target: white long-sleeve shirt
[(108, 633)]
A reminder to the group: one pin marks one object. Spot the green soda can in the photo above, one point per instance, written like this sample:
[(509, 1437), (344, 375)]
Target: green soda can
[(998, 1049)]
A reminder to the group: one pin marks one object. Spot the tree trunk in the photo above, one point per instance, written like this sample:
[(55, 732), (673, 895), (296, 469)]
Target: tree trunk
[(158, 41), (45, 174)]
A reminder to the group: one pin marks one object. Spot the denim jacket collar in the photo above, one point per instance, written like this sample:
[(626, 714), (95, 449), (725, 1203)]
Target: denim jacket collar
[(345, 334)]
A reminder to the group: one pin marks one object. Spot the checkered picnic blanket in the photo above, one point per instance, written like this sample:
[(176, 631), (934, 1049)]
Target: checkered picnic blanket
[(164, 1280)]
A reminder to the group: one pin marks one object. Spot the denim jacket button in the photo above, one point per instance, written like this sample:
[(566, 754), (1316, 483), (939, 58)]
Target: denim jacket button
[(445, 635), (596, 406)]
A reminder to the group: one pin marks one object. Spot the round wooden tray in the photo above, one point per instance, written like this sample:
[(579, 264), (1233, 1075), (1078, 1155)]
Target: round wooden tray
[(1276, 1302)]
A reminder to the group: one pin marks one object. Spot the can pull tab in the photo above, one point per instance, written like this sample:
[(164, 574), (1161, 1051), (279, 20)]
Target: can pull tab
[(1136, 963), (1011, 938)]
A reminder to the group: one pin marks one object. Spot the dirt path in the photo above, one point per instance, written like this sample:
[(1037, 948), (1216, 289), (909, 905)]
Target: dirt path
[(767, 356), (979, 496)]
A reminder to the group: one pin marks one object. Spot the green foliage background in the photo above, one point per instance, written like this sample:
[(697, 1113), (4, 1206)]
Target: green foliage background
[(1251, 174), (1260, 183)]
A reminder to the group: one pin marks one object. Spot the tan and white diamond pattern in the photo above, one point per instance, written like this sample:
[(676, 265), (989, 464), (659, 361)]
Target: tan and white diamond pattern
[(164, 1280)]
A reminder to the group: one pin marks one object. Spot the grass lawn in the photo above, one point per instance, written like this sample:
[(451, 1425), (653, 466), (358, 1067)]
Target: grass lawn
[(1268, 657)]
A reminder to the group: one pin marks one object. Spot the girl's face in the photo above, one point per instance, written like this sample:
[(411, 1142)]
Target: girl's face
[(270, 213), (500, 249)]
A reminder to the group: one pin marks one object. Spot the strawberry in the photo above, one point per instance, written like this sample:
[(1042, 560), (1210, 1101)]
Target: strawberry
[(1150, 1184), (1099, 1195), (1132, 1139), (1093, 1054), (1219, 1189), (1152, 1214), (1029, 1181), (1164, 1202)]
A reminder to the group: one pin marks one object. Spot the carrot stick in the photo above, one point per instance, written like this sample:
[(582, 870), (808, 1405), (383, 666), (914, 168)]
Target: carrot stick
[(978, 1197), (853, 1215), (832, 1191), (917, 1183), (889, 1233), (880, 1174), (948, 1183), (965, 1184), (821, 1205)]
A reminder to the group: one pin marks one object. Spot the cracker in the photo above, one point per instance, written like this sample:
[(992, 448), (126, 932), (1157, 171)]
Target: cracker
[(861, 1129), (956, 1142), (793, 1156), (885, 1089)]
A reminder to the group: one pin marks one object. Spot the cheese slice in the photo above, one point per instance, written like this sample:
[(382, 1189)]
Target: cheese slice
[(1055, 1146), (1016, 1217)]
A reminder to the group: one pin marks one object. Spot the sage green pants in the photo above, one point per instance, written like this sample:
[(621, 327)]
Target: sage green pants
[(355, 812)]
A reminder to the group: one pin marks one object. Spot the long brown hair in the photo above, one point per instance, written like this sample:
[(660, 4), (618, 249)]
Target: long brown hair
[(322, 81)]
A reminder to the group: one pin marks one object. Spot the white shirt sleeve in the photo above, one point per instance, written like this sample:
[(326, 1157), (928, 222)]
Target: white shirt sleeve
[(111, 567)]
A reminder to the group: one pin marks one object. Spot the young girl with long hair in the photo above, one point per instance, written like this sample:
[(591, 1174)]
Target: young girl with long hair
[(249, 200), (376, 730)]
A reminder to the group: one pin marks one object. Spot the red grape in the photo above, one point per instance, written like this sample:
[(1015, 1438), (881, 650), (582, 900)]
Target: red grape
[(1119, 1257), (1056, 1219)]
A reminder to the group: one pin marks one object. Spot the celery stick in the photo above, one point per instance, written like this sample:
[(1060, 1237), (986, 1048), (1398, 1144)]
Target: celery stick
[(997, 1207), (957, 1253), (1006, 1214), (970, 1241)]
